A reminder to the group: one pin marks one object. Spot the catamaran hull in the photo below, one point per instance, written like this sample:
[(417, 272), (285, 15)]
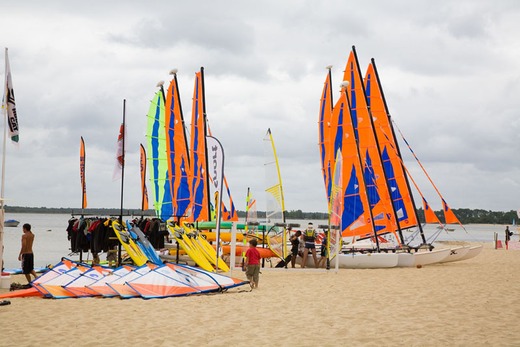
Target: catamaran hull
[(431, 257), (405, 259), (472, 252), (456, 254), (368, 260)]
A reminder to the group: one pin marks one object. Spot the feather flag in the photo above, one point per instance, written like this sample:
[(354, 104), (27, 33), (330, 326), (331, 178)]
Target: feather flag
[(9, 102), (120, 154), (82, 161), (144, 191)]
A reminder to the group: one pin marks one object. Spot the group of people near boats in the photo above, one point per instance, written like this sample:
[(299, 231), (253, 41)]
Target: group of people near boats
[(303, 243)]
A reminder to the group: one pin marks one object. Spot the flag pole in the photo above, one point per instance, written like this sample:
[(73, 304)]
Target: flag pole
[(123, 163), (4, 109), (119, 257)]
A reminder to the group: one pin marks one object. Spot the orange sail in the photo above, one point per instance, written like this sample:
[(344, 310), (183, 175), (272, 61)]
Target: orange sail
[(82, 161), (198, 173), (325, 134), (429, 214), (177, 151), (356, 219), (375, 179), (397, 182)]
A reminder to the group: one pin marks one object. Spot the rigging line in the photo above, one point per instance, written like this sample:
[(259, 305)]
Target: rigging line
[(425, 172)]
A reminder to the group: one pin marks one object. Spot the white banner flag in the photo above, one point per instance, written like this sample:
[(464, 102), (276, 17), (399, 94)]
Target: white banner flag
[(9, 102), (215, 154)]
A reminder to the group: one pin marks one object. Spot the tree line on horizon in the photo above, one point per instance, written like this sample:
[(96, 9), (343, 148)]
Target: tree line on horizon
[(465, 215)]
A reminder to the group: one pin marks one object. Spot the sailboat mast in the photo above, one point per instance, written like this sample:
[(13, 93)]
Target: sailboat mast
[(421, 231), (4, 106), (361, 176), (205, 141), (123, 162)]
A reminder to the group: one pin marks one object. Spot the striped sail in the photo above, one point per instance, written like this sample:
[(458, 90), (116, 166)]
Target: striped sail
[(177, 151), (325, 136), (158, 163), (374, 174), (355, 217), (396, 178), (198, 156)]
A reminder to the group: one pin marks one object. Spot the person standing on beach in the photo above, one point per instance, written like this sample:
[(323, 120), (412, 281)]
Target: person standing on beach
[(295, 245), (309, 237), (508, 236), (323, 254), (26, 252), (253, 264)]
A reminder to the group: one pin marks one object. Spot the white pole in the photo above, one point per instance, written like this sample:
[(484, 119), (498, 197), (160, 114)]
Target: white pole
[(4, 106), (232, 256)]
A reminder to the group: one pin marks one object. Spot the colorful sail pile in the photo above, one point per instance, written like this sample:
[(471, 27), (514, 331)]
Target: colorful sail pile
[(69, 279)]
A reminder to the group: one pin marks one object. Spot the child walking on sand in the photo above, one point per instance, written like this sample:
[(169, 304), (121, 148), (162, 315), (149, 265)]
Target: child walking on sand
[(253, 264)]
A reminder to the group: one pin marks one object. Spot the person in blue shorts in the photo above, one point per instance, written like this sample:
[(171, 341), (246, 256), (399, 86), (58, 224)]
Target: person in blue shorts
[(309, 238)]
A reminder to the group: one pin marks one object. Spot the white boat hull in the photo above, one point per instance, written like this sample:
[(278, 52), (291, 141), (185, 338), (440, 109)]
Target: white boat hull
[(456, 254), (368, 260), (405, 259), (472, 252), (431, 257)]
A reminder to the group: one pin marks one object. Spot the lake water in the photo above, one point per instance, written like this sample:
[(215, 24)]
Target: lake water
[(51, 243)]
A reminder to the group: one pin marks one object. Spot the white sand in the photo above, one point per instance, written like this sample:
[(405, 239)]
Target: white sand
[(470, 303)]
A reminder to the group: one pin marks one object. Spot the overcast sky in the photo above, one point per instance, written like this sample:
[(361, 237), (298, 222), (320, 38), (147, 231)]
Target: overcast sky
[(450, 71)]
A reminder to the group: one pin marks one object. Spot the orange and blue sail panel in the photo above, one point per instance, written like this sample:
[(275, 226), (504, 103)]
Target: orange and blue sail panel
[(324, 135), (177, 151), (395, 175), (364, 133), (199, 180)]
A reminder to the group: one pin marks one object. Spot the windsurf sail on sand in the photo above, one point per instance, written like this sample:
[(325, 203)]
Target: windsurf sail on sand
[(375, 177), (180, 280), (101, 286), (144, 191), (275, 206), (120, 285), (55, 287), (82, 161), (57, 270), (78, 287), (158, 162), (177, 150)]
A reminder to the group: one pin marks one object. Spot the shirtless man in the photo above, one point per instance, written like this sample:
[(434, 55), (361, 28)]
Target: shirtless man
[(26, 253)]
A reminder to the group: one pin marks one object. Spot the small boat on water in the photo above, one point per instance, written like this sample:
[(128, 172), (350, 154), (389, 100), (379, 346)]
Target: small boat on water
[(11, 223)]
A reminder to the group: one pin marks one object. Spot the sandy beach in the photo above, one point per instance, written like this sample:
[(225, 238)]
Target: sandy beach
[(469, 303)]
